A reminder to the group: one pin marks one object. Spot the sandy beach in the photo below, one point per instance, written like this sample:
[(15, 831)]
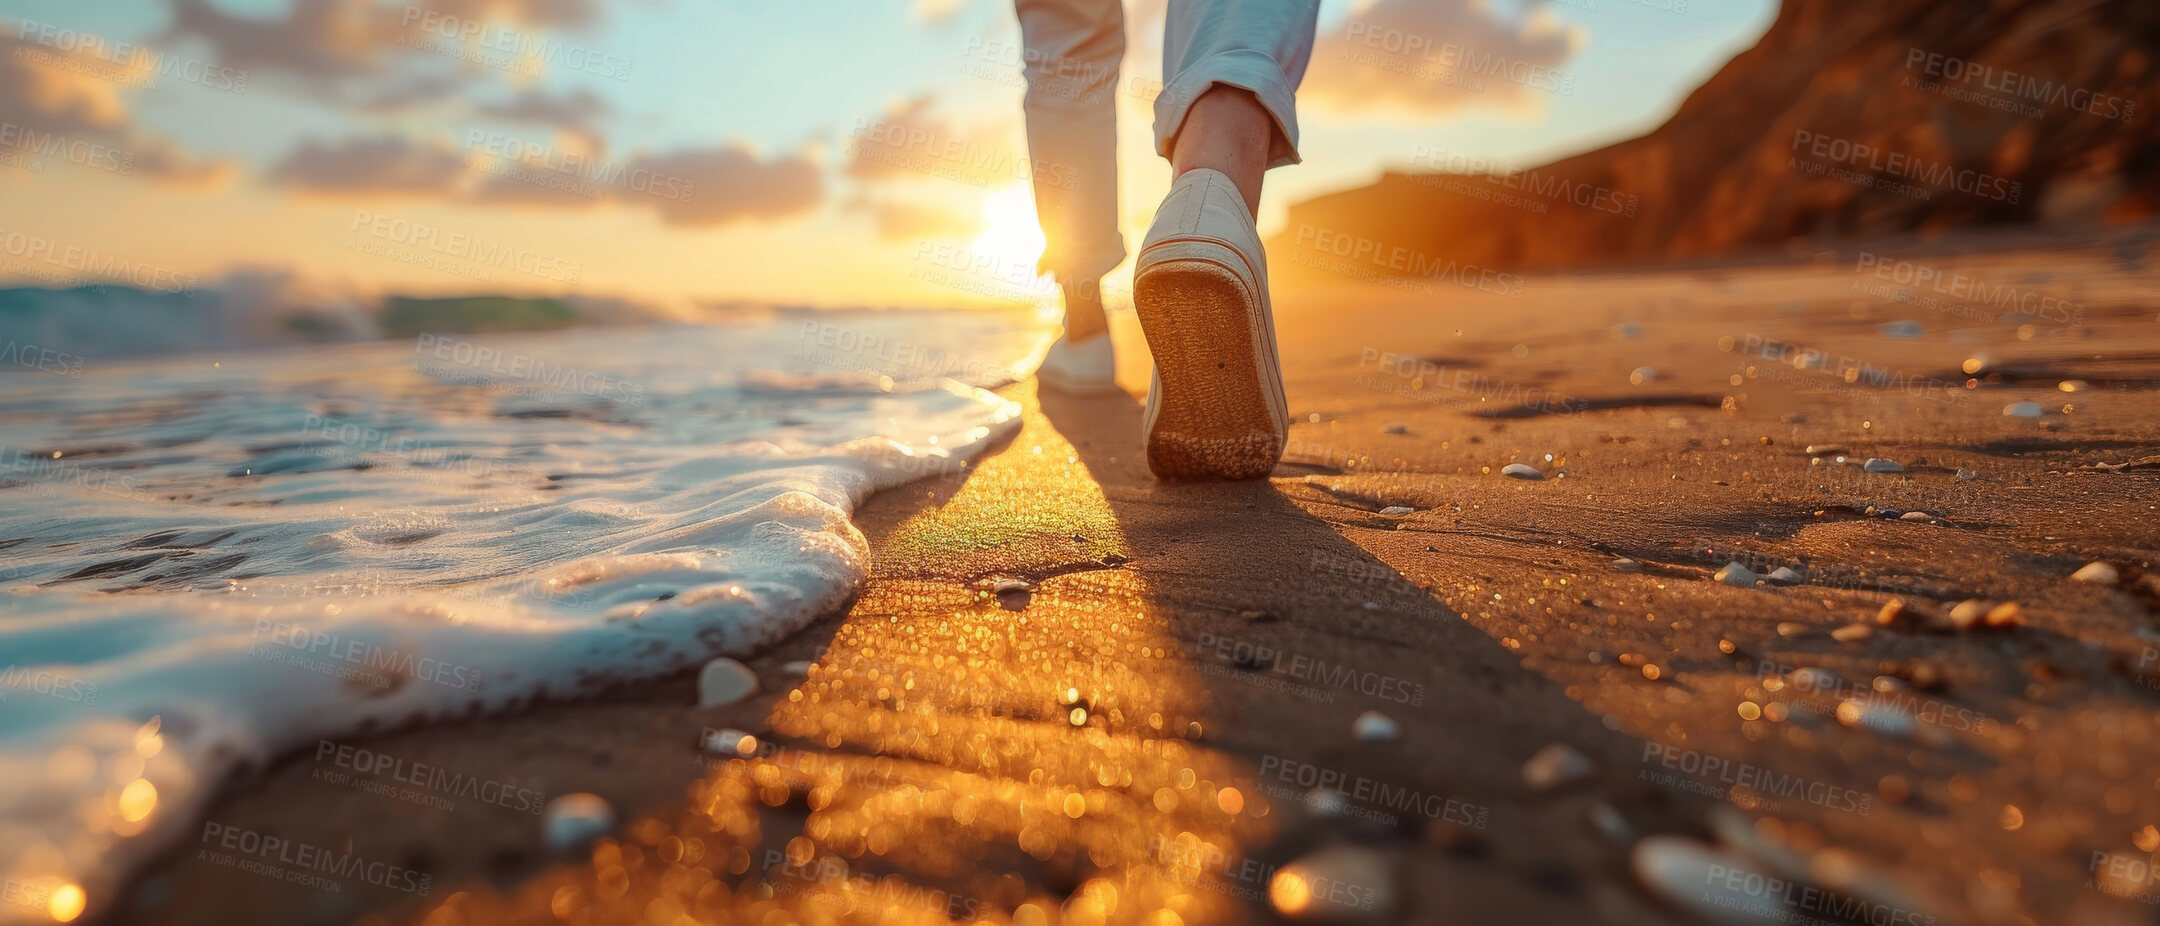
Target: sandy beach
[(1071, 694)]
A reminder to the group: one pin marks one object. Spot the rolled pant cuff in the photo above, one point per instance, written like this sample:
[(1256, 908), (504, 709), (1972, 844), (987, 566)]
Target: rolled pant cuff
[(1246, 70)]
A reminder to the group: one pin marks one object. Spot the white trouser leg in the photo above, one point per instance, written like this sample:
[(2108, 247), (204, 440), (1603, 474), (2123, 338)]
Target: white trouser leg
[(1258, 45), (1073, 51)]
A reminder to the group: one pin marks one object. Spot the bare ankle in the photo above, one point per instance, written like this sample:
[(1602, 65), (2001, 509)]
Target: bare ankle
[(1229, 131), (1084, 315)]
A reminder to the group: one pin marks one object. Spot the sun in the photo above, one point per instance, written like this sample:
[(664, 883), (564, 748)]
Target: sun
[(1011, 235)]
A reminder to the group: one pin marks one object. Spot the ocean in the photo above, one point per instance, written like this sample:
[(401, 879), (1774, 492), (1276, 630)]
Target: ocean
[(214, 556)]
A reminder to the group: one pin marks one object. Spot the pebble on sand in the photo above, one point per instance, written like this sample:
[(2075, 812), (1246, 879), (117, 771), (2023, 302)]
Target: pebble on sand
[(725, 681), (1608, 822), (1879, 716), (728, 742), (1398, 429), (1852, 633), (1327, 803), (1012, 594), (2022, 410), (1707, 882), (1342, 884), (1376, 727), (1894, 612), (1555, 766), (1823, 450), (1396, 511), (1880, 465), (2096, 572), (1737, 575), (1786, 575), (1967, 614), (573, 821), (1623, 564), (1522, 471)]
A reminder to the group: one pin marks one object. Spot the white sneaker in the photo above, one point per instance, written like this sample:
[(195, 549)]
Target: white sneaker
[(1215, 408), (1080, 366)]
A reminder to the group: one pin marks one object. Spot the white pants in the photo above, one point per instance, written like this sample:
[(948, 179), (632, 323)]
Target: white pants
[(1073, 50)]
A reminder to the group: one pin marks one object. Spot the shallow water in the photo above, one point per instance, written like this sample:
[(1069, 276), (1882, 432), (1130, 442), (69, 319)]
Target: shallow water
[(214, 557)]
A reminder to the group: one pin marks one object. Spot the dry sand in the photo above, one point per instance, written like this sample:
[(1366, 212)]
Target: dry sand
[(1140, 733)]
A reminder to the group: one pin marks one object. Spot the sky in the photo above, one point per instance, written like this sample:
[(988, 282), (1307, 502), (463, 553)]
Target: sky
[(697, 152)]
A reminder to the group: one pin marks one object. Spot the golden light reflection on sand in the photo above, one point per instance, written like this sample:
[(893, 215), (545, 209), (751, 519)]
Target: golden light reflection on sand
[(949, 759)]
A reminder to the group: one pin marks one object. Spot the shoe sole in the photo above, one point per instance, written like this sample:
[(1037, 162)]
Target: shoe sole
[(1214, 411)]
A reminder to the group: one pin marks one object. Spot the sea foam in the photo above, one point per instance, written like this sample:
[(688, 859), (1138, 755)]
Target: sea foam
[(214, 559)]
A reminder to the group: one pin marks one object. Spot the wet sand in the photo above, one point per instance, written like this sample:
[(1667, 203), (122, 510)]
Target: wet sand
[(1142, 729)]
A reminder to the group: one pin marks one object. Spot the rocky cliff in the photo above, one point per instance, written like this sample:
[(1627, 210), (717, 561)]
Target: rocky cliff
[(1845, 119)]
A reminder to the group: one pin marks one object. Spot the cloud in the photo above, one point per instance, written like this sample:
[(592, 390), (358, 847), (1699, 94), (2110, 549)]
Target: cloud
[(577, 113), (370, 166), (1426, 57), (336, 48), (724, 185), (68, 105), (48, 90), (910, 140), (164, 162), (317, 40), (690, 187)]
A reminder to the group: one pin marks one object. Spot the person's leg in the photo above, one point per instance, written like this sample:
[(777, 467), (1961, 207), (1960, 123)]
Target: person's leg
[(1216, 409), (1230, 74), (1227, 130), (1073, 49)]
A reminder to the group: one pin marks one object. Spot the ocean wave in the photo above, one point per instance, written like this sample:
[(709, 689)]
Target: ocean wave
[(211, 565)]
